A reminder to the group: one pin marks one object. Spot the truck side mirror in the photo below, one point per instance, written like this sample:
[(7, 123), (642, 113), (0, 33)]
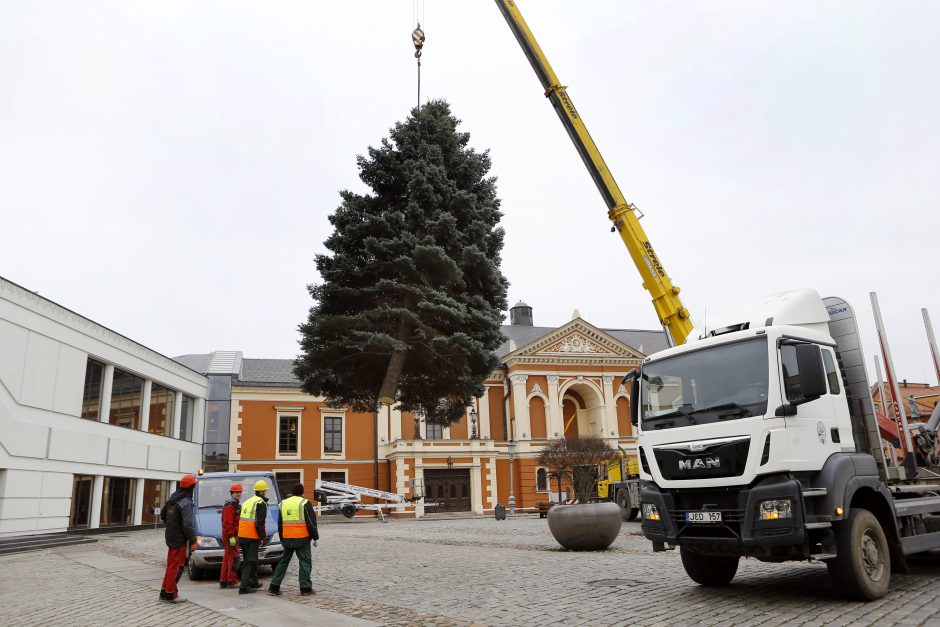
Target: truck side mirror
[(812, 376)]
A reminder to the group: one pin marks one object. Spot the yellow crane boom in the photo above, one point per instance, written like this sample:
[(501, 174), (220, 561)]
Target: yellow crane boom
[(672, 315)]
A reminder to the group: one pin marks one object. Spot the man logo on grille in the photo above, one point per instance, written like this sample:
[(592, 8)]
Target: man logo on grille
[(699, 463)]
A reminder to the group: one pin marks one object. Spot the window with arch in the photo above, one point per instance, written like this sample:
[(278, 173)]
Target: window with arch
[(541, 480)]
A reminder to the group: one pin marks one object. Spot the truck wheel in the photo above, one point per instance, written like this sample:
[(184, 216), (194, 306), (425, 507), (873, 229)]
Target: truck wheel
[(348, 510), (626, 511), (862, 568), (709, 570)]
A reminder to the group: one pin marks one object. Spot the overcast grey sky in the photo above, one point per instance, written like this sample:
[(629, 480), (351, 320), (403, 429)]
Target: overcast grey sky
[(167, 168)]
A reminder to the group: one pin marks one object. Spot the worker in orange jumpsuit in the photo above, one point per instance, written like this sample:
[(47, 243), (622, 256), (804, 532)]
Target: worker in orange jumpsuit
[(230, 515), (180, 533)]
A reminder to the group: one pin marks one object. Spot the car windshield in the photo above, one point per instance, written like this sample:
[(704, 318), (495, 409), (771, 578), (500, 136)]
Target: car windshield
[(214, 491), (718, 383)]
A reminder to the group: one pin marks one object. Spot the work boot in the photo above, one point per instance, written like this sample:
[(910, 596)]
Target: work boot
[(274, 591), (177, 599), (162, 594), (256, 586), (223, 584), (306, 592), (247, 590)]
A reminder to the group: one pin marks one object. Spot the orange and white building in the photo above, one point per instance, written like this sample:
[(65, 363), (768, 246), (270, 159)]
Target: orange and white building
[(553, 382)]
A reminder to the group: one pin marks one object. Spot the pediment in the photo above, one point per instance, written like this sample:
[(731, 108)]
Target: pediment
[(578, 339)]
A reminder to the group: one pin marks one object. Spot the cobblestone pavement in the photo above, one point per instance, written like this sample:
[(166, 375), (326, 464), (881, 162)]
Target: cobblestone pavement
[(462, 572)]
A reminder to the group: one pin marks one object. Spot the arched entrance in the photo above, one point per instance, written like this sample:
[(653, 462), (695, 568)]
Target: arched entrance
[(582, 409)]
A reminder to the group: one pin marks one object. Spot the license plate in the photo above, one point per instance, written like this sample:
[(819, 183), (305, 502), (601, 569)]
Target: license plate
[(703, 517)]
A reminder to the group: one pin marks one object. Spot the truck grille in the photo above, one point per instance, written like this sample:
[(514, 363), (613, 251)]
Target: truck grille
[(724, 459)]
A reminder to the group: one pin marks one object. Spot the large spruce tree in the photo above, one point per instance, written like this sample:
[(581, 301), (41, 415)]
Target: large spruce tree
[(411, 298)]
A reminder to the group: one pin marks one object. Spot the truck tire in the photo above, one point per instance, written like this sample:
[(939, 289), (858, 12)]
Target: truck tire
[(862, 568), (348, 511), (709, 570), (626, 510)]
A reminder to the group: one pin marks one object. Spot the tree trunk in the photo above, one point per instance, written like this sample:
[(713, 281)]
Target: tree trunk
[(396, 365)]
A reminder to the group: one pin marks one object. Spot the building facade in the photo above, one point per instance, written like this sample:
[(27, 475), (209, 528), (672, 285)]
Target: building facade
[(553, 382), (95, 428)]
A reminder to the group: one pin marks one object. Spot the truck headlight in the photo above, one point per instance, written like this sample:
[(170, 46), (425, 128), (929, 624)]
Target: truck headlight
[(207, 542), (773, 509), (650, 512)]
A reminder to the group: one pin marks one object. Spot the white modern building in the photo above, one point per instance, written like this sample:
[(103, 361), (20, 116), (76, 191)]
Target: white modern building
[(95, 428)]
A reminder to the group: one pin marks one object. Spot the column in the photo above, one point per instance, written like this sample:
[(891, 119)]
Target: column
[(419, 474), (139, 501), (483, 414), (396, 423), (97, 489), (611, 426), (556, 422), (145, 405), (382, 431), (476, 486), (177, 413), (199, 420), (106, 386), (521, 407)]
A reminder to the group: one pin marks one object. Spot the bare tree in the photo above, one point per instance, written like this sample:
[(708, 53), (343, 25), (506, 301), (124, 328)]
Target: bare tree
[(579, 461)]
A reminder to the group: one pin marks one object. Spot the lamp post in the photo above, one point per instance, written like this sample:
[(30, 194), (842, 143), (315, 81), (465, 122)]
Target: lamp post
[(512, 498), (473, 424)]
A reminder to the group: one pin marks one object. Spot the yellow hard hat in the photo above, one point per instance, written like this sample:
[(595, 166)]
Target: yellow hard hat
[(260, 486)]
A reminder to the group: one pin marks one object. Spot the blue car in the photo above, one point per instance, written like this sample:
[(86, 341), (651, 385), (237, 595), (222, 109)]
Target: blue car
[(210, 494)]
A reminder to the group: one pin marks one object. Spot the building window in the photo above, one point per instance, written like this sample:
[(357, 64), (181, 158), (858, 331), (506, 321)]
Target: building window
[(127, 392), (286, 482), (156, 493), (434, 432), (81, 501), (117, 501), (541, 480), (332, 434), (91, 400), (287, 439), (336, 476), (162, 406), (186, 418)]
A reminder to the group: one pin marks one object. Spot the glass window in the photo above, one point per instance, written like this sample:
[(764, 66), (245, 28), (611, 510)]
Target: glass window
[(156, 493), (335, 476), (435, 432), (287, 436), (718, 383), (215, 457), (186, 418), (81, 501), (286, 482), (541, 480), (791, 373), (213, 492), (832, 373), (218, 414), (91, 400), (332, 434), (117, 501), (162, 406), (127, 392)]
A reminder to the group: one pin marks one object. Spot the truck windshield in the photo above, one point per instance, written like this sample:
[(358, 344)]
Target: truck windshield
[(708, 385), (214, 491)]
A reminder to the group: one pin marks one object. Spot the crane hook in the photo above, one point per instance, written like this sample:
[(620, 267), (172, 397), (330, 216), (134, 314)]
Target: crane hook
[(417, 38)]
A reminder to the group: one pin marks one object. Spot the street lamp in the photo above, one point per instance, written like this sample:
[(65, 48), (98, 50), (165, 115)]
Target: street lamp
[(473, 423), (512, 498)]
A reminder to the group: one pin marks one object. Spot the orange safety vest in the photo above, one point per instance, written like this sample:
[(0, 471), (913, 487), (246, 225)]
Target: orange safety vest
[(247, 527), (292, 517)]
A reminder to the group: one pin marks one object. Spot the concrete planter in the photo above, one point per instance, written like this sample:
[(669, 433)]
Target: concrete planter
[(585, 527)]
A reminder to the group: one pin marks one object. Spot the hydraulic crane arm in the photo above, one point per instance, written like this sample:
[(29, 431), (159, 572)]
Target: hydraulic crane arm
[(672, 315)]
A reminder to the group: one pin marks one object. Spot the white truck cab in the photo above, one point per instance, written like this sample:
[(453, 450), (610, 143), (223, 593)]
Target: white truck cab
[(757, 438)]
